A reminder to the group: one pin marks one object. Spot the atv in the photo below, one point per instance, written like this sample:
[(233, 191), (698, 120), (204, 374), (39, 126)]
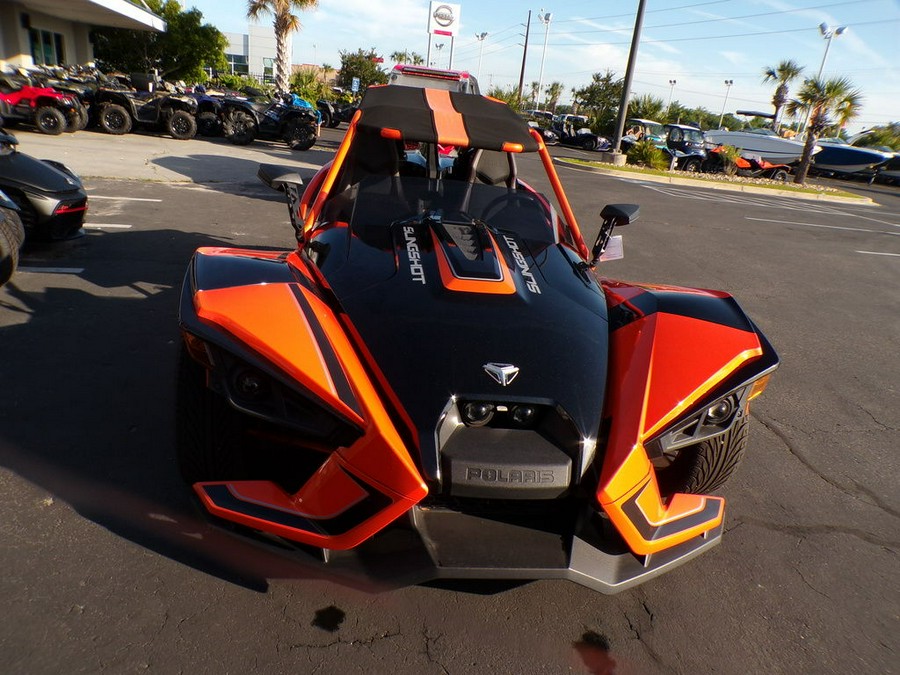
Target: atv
[(50, 111), (118, 111), (244, 120), (439, 381)]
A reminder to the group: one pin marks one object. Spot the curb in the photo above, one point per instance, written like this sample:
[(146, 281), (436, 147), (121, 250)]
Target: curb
[(730, 187)]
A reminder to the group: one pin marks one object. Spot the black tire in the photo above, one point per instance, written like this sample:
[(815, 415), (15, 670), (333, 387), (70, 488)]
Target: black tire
[(704, 467), (239, 127), (181, 125), (208, 431), (334, 123), (209, 124), (114, 119), (78, 120), (300, 135), (781, 176), (326, 118), (49, 120), (589, 144), (12, 234), (691, 165)]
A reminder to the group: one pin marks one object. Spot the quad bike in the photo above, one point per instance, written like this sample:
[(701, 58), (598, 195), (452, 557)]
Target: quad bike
[(155, 105), (50, 198), (50, 111), (438, 381), (747, 165), (244, 120)]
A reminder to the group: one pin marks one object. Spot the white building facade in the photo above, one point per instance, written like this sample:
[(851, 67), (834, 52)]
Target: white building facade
[(57, 32), (253, 53)]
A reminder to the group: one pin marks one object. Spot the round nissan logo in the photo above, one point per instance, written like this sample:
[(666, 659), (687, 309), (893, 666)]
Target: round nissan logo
[(443, 15)]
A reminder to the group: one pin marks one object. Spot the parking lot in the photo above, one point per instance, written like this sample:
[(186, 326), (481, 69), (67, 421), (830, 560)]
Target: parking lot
[(108, 568)]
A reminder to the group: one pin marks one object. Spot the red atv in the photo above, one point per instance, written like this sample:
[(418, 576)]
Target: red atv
[(47, 109)]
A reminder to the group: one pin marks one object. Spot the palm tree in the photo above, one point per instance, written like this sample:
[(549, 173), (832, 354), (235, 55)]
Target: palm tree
[(533, 93), (784, 73), (834, 101), (285, 23), (405, 56), (553, 91)]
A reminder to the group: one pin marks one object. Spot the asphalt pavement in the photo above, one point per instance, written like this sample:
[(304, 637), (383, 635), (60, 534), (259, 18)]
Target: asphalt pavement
[(108, 568)]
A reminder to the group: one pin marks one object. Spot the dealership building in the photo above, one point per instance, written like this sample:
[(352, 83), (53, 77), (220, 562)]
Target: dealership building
[(34, 32)]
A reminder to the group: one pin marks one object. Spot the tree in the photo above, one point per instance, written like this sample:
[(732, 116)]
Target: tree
[(509, 95), (647, 106), (784, 73), (601, 99), (834, 101), (181, 53), (888, 135), (284, 23), (552, 92), (413, 58), (362, 64)]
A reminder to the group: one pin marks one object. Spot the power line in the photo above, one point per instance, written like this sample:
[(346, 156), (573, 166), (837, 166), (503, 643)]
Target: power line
[(649, 11)]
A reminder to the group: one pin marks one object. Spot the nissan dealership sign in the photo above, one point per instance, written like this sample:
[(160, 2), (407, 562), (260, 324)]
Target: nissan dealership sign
[(443, 19)]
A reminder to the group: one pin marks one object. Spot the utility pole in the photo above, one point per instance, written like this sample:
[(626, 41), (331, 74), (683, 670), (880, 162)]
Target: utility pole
[(629, 73), (524, 55), (480, 37)]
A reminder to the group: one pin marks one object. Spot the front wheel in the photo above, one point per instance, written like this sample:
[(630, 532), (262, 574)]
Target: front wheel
[(208, 124), (79, 118), (239, 127), (49, 120), (300, 135), (691, 165), (589, 144), (181, 125), (12, 234), (705, 466), (114, 119), (780, 175)]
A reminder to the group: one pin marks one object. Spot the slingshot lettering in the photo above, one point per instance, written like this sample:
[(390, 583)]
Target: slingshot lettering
[(530, 282), (414, 255)]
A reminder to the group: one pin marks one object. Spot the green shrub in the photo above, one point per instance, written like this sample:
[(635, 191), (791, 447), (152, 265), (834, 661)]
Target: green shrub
[(645, 153), (730, 156)]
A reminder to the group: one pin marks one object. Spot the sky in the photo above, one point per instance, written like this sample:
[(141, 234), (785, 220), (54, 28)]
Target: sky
[(698, 44)]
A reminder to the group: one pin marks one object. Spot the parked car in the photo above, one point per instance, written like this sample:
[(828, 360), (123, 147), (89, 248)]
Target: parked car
[(50, 111), (51, 200), (573, 131), (434, 78), (440, 380)]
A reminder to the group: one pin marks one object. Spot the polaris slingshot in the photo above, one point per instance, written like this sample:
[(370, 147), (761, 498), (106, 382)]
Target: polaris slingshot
[(438, 383)]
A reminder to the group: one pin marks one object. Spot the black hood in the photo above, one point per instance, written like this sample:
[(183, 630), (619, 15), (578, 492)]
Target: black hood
[(27, 173), (432, 339)]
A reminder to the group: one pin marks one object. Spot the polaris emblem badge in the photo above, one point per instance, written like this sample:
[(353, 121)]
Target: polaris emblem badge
[(501, 373)]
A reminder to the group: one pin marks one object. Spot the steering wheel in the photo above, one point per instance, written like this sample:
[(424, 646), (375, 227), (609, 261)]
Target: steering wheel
[(503, 201)]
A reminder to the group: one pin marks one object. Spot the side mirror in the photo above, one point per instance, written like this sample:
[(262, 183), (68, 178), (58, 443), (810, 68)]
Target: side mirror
[(287, 180), (613, 215)]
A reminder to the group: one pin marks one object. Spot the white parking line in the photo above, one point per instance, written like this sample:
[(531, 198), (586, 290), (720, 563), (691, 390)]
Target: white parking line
[(51, 270), (124, 199), (826, 227), (896, 255), (111, 226)]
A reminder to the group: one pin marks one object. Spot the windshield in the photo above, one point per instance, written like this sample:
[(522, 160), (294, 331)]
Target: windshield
[(385, 200)]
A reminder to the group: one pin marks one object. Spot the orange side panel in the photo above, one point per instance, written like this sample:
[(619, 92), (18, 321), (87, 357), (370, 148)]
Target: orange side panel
[(447, 121), (661, 365), (266, 317)]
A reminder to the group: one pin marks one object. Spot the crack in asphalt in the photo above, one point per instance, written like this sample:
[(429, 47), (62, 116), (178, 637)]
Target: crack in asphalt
[(860, 493), (804, 531), (429, 641), (367, 642), (813, 588), (634, 628)]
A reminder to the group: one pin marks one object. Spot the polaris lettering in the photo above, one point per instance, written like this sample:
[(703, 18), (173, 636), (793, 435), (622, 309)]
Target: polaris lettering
[(530, 282), (509, 475), (414, 255)]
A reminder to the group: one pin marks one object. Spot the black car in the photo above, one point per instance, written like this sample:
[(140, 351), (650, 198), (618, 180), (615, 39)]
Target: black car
[(573, 131), (51, 199)]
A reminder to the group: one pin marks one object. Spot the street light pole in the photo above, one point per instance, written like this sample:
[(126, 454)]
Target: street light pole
[(672, 84), (439, 46), (480, 37), (829, 34), (728, 84), (545, 19)]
